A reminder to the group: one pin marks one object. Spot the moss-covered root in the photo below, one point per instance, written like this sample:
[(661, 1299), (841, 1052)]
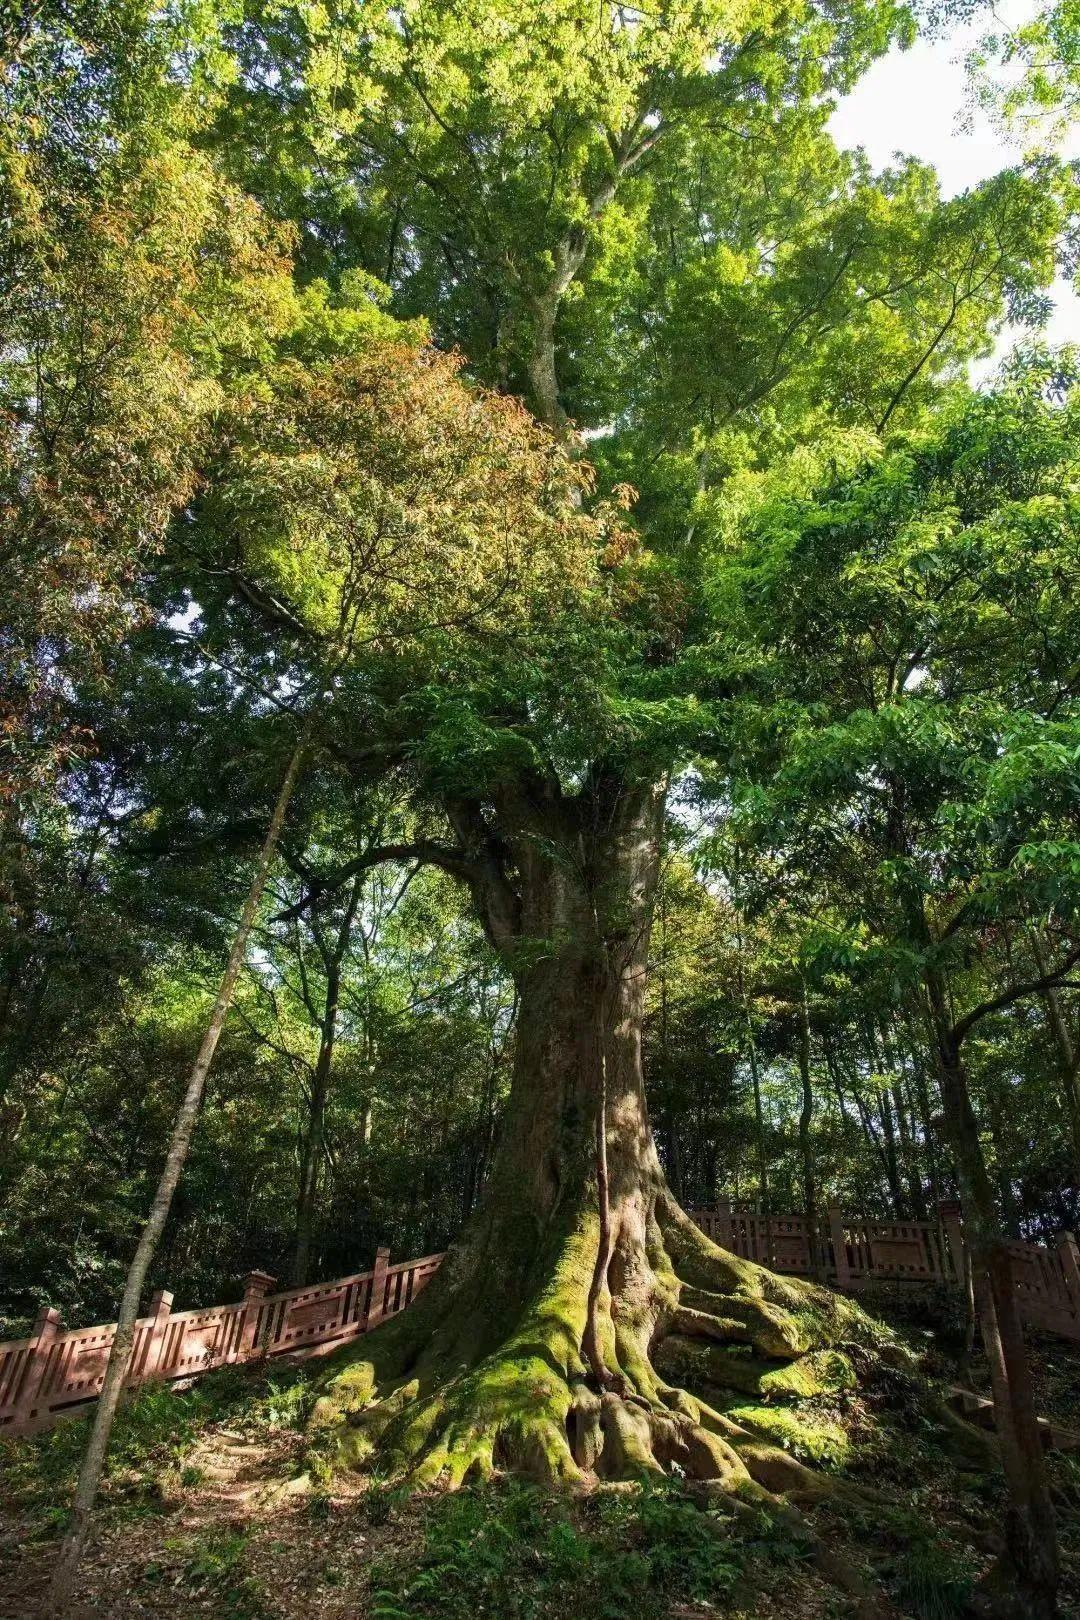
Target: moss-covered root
[(479, 1395), (518, 1411), (517, 1415), (724, 1297), (510, 1411)]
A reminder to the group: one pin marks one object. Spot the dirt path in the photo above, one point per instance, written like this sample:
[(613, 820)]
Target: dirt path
[(233, 1533)]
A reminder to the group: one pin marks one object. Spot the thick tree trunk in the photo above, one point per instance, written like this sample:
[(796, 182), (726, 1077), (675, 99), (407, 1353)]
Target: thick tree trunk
[(563, 1325), (585, 914)]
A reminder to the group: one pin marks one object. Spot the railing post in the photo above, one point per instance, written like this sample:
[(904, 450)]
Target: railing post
[(1069, 1254), (378, 1289), (839, 1246), (46, 1327), (812, 1239), (257, 1284), (949, 1217), (160, 1307), (723, 1233)]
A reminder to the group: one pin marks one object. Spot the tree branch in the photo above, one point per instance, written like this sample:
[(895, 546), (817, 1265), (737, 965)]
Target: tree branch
[(1016, 992), (426, 851)]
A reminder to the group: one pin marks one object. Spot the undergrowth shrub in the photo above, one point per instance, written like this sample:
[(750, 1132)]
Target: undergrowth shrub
[(934, 1583), (511, 1550), (212, 1566), (155, 1429)]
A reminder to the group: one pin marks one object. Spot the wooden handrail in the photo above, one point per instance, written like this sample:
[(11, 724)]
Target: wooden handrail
[(57, 1371), (856, 1251)]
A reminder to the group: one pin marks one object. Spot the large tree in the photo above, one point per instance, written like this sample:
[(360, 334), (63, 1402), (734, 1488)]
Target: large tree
[(637, 222)]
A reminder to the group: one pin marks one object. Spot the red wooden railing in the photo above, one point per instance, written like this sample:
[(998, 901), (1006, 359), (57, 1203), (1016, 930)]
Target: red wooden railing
[(56, 1372), (852, 1251)]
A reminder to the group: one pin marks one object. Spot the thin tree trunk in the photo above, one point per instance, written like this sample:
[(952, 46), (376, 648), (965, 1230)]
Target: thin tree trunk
[(892, 1161), (905, 1122), (806, 1146), (315, 1135), (907, 1153), (764, 1200), (486, 1126), (1010, 1214), (873, 1142), (1031, 1533), (86, 1490), (763, 1162), (849, 1129), (879, 1061), (1068, 1056), (921, 1090), (311, 1150)]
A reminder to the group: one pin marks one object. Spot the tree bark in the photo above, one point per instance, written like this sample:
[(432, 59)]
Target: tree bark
[(585, 913), (556, 1333), (1068, 1057), (879, 1064), (904, 1116), (806, 1146), (764, 1198), (921, 1091), (874, 1146), (905, 1121)]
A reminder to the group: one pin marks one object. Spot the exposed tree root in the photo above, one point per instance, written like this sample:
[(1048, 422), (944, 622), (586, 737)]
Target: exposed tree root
[(447, 1393)]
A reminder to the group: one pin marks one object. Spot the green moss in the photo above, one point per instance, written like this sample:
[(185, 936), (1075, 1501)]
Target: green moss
[(826, 1318), (411, 1432), (822, 1372), (493, 1377), (463, 1413), (806, 1314), (772, 1328), (703, 1363), (808, 1436), (351, 1390)]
